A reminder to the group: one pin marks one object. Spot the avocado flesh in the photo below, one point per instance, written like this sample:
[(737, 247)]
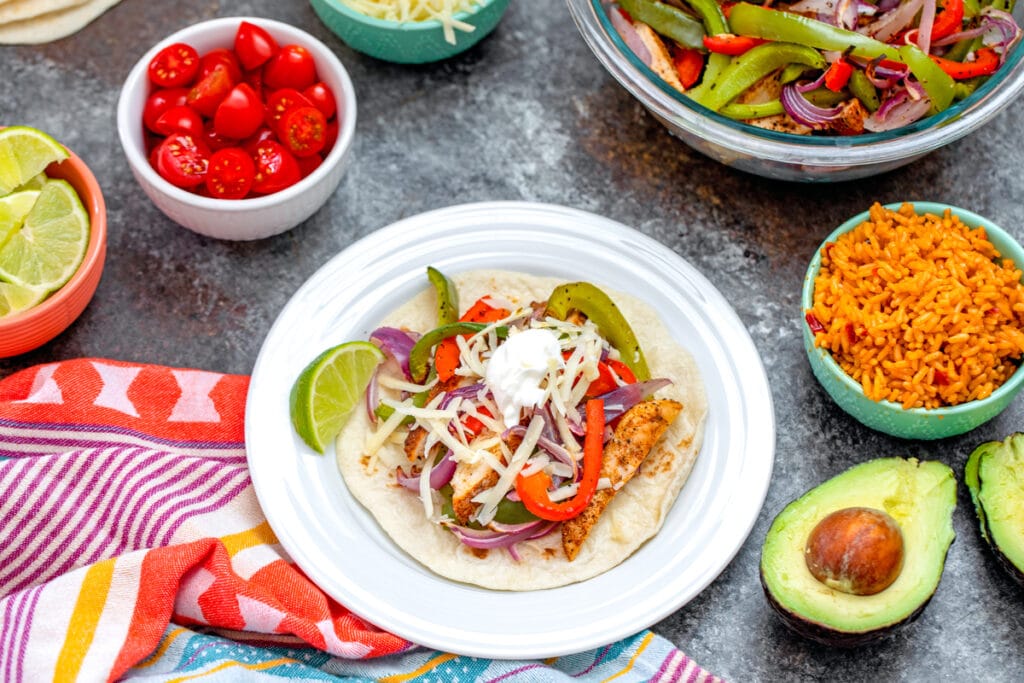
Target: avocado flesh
[(995, 477), (919, 496)]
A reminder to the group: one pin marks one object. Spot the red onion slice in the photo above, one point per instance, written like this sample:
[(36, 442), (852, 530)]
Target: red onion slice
[(629, 35), (803, 111), (618, 401), (372, 397), (899, 110), (440, 474), (891, 23), (488, 540), (395, 343), (924, 26), (470, 391), (549, 446)]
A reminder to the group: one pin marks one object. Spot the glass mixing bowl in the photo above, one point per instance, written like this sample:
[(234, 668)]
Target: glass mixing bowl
[(784, 155)]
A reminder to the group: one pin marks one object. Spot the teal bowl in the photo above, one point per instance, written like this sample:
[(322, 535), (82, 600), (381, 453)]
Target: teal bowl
[(412, 42), (886, 416)]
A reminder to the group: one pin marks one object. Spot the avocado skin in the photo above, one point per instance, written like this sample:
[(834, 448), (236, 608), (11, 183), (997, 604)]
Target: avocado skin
[(972, 477), (833, 636), (819, 633)]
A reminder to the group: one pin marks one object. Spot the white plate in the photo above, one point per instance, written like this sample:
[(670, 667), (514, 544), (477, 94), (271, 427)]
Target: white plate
[(339, 545)]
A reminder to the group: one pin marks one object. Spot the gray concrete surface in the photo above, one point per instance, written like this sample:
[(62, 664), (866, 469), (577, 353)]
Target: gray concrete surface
[(529, 114)]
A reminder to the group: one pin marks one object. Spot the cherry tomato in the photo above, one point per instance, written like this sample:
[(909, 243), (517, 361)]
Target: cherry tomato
[(253, 45), (174, 66), (239, 114), (303, 131), (331, 135), (253, 141), (309, 164), (215, 141), (159, 102), (322, 98), (276, 168), (292, 67), (181, 159), (208, 93), (255, 80), (221, 55), (280, 101), (183, 119), (230, 174)]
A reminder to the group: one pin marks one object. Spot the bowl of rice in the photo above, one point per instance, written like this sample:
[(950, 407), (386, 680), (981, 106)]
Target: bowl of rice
[(913, 319), (411, 31)]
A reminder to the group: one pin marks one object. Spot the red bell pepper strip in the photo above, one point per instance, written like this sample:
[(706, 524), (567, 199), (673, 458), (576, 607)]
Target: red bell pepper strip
[(949, 20), (446, 357), (729, 44), (689, 63), (986, 61), (533, 490), (605, 381), (838, 74)]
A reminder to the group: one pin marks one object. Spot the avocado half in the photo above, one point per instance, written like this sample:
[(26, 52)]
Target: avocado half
[(919, 496), (995, 477)]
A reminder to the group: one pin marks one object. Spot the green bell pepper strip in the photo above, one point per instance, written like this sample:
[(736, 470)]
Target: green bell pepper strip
[(960, 50), (753, 65), (447, 296), (714, 22), (667, 20), (864, 90), (508, 511), (744, 112), (602, 311), (751, 20), (420, 355)]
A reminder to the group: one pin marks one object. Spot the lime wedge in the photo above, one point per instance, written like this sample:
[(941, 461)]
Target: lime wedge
[(329, 389), (36, 182), (51, 243), (15, 298), (25, 152), (13, 210)]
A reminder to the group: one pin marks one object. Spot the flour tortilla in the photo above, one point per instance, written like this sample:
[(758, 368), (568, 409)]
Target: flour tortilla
[(635, 514), (61, 19)]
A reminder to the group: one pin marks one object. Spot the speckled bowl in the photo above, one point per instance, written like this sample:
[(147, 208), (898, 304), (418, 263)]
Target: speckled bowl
[(31, 328), (414, 42), (888, 417)]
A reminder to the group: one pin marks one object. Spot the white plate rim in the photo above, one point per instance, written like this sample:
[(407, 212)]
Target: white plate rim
[(290, 480)]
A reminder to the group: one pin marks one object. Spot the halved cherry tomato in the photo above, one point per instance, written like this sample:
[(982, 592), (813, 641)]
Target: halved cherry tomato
[(239, 114), (181, 159), (292, 67), (303, 130), (309, 164), (253, 45), (231, 174), (276, 168), (253, 141), (159, 102), (181, 119), (281, 101), (221, 55), (322, 98), (255, 80), (174, 66), (332, 135), (215, 141), (209, 92)]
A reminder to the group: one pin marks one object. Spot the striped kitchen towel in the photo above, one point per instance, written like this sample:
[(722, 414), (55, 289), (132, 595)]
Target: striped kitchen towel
[(134, 547)]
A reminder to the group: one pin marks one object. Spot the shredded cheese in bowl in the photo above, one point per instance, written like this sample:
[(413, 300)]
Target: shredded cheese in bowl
[(419, 10)]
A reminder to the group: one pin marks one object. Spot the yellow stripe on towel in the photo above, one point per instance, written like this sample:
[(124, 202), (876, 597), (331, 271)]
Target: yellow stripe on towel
[(433, 663), (632, 660), (260, 666), (250, 538), (92, 596)]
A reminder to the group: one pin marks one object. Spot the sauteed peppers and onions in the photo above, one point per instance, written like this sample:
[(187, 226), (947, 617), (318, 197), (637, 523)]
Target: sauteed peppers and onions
[(516, 418), (821, 66)]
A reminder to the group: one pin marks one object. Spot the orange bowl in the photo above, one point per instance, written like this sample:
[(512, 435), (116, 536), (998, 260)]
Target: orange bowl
[(30, 329)]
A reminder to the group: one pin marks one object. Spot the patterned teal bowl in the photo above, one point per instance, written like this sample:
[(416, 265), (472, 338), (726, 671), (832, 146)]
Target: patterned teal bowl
[(888, 417), (414, 42)]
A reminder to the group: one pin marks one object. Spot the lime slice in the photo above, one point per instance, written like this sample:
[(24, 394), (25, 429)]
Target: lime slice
[(13, 210), (329, 389), (36, 182), (15, 298), (25, 152), (51, 243)]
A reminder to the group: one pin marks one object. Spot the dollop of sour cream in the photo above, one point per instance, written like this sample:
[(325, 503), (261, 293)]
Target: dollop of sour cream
[(518, 367)]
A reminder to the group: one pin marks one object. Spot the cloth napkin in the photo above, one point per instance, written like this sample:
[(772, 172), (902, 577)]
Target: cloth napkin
[(134, 547)]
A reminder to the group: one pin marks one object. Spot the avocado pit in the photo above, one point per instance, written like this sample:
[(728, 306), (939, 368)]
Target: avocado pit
[(856, 550)]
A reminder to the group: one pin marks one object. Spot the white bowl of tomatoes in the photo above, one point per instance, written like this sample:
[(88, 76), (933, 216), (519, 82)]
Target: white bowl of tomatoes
[(238, 128)]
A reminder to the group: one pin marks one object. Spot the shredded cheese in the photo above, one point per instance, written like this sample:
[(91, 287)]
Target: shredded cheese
[(420, 10), (490, 498)]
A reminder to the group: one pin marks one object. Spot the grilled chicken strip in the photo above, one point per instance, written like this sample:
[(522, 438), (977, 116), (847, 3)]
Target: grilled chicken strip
[(638, 430)]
